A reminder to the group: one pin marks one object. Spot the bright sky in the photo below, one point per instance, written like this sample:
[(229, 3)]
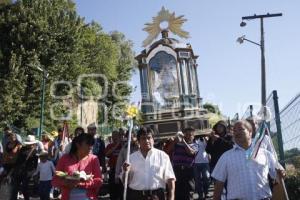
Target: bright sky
[(228, 73)]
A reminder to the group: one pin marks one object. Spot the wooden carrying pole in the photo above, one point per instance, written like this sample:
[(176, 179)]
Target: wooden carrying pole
[(127, 158)]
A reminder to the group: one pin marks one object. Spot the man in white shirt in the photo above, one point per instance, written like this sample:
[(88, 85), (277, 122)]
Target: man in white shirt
[(150, 170), (247, 179)]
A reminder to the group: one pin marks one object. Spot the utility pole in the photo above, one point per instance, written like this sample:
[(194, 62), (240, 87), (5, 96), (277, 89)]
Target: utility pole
[(262, 48), (263, 81)]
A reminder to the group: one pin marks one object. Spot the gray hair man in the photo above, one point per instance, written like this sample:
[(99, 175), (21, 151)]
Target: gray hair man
[(246, 178)]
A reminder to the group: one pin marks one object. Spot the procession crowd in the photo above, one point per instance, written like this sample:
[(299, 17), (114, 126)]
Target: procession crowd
[(182, 167)]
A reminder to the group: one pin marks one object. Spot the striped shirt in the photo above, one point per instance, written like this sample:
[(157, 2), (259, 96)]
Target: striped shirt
[(246, 179), (181, 157)]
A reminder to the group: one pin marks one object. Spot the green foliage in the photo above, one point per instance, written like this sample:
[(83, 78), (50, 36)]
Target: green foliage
[(32, 122), (213, 118), (35, 34), (73, 124), (119, 88), (91, 88), (212, 108), (291, 153), (292, 182), (49, 34), (5, 2), (295, 161), (292, 156)]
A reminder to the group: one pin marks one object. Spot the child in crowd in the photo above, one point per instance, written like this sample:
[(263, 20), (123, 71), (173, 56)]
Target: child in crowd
[(46, 170)]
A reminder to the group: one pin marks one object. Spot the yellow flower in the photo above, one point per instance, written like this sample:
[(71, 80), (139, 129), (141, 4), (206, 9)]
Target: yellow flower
[(132, 111), (54, 134)]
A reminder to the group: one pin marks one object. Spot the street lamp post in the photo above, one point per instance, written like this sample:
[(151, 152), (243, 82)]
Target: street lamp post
[(45, 75), (263, 75), (262, 48), (263, 66), (42, 103)]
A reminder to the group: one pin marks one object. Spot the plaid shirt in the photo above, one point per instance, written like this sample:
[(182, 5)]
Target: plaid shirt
[(246, 179)]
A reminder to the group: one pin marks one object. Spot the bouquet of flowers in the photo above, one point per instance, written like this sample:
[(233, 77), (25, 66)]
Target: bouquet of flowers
[(77, 175), (131, 112)]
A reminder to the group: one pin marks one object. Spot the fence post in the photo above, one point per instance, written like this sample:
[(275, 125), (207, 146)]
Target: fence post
[(237, 116), (278, 126), (251, 110)]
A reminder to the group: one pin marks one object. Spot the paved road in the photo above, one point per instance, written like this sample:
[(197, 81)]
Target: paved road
[(106, 197)]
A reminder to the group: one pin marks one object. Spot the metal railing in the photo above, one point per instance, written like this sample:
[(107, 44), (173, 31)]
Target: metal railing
[(235, 117), (290, 123), (248, 112)]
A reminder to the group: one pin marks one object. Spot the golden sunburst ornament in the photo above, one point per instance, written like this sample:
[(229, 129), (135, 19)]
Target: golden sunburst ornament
[(169, 21)]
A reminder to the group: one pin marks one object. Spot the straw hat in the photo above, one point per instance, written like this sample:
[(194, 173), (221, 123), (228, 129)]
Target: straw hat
[(30, 139)]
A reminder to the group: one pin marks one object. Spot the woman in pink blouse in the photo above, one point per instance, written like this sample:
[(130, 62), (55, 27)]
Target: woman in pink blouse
[(79, 159)]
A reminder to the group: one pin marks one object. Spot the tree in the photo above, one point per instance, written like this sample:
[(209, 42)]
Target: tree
[(291, 153), (292, 182), (36, 34), (212, 108), (5, 2), (125, 66), (50, 34)]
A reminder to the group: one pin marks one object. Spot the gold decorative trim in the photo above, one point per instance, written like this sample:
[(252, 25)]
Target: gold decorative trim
[(174, 25)]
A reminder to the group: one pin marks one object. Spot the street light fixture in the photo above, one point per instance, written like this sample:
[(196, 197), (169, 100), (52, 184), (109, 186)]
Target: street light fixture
[(243, 38), (242, 24)]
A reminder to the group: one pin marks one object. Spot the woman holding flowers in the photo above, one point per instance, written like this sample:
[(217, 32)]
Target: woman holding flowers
[(82, 178)]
